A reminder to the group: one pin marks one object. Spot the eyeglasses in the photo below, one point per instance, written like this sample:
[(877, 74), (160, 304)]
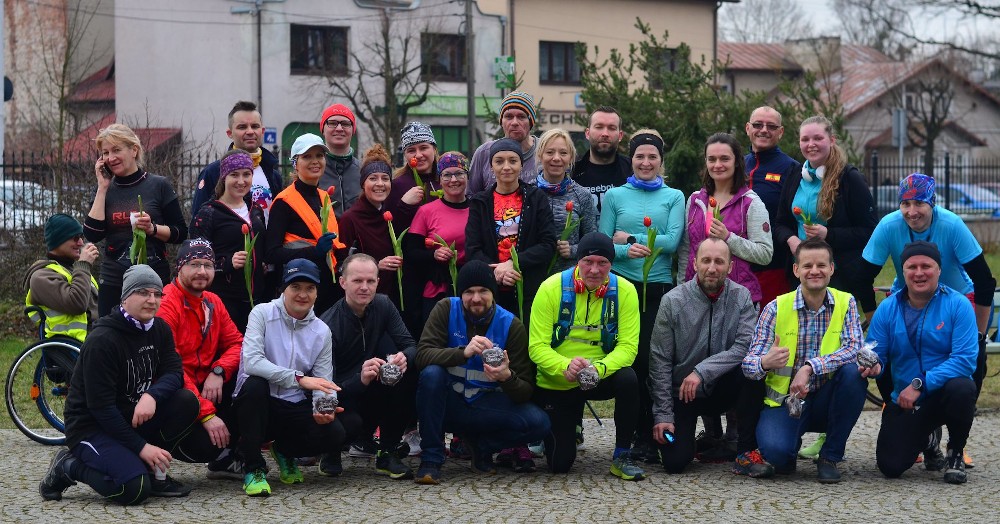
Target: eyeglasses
[(761, 125), (77, 238), (201, 265), (454, 176), (346, 124), (146, 293)]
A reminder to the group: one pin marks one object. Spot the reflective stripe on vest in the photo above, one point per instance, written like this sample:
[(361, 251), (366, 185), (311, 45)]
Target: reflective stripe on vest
[(294, 199), (469, 379), (786, 328), (57, 323)]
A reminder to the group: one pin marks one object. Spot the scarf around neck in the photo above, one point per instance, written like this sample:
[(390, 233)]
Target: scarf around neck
[(644, 185), (554, 189)]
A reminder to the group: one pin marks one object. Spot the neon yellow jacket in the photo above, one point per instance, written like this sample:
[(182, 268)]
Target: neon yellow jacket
[(551, 361)]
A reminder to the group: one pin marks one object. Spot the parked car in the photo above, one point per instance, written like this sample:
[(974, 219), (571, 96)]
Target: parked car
[(963, 199), (24, 206)]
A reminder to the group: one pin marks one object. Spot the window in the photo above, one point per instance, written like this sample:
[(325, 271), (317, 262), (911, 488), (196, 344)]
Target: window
[(662, 62), (452, 138), (442, 57), (557, 63), (318, 50)]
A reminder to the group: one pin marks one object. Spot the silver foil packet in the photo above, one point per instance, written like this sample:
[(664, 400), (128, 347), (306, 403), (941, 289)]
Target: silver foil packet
[(867, 358), (588, 378), (492, 356), (390, 374), (795, 405), (325, 403)]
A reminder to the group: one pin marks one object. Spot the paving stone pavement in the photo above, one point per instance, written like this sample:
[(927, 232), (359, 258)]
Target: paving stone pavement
[(706, 493)]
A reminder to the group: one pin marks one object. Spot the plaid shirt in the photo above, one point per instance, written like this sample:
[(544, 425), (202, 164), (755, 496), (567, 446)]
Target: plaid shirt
[(812, 327)]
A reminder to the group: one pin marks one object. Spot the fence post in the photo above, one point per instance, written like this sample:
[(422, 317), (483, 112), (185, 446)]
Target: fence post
[(875, 180), (947, 180)]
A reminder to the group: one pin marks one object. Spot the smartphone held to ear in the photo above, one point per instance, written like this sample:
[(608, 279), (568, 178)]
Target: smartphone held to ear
[(107, 171)]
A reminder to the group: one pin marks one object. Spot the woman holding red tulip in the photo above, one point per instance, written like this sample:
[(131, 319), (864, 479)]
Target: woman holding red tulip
[(417, 182), (726, 208), (226, 221), (437, 227), (295, 229), (645, 220), (829, 200), (573, 207), (365, 226)]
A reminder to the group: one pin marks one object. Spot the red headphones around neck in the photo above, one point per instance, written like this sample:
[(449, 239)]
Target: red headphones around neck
[(580, 287)]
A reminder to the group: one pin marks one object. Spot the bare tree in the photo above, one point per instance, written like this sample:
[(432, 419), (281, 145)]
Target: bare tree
[(386, 80), (763, 21), (966, 11), (879, 29)]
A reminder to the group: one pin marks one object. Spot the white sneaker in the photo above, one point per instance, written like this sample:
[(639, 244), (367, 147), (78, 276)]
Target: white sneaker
[(412, 439)]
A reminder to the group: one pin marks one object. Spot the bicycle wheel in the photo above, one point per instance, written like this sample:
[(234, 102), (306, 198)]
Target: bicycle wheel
[(874, 398), (36, 389)]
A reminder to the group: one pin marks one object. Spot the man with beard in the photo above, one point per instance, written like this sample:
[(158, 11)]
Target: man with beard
[(702, 333), (209, 344), (517, 117), (343, 171), (602, 167)]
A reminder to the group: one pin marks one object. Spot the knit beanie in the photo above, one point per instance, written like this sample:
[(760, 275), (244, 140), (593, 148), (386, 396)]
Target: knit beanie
[(505, 144), (596, 243), (194, 249), (519, 100), (917, 186), (415, 133), (476, 273), (336, 110), (140, 276), (920, 247), (59, 228)]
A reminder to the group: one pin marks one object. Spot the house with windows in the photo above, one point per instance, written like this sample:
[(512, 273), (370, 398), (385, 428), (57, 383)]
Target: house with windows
[(542, 38)]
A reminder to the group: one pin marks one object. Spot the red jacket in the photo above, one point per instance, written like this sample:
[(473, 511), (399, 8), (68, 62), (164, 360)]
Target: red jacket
[(220, 344)]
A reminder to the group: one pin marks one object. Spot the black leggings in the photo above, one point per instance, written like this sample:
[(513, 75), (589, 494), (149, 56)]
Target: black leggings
[(290, 424), (197, 446), (565, 408), (133, 492), (903, 434), (647, 319), (390, 408), (732, 391)]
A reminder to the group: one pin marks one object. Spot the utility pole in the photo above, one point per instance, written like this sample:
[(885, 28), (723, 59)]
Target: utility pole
[(254, 10), (470, 77)]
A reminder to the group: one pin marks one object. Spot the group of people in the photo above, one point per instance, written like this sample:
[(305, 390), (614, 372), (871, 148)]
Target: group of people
[(492, 298)]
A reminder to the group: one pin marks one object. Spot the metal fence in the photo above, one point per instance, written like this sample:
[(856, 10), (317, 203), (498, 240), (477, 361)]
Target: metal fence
[(968, 187)]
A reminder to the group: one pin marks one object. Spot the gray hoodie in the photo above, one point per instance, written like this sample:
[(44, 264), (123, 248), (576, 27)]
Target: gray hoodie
[(692, 333)]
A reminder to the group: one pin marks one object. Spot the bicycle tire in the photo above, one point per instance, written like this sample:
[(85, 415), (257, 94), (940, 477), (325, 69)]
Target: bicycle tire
[(36, 388), (874, 398)]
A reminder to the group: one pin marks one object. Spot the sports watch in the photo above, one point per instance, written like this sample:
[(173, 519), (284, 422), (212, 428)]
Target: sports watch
[(917, 384), (219, 371)]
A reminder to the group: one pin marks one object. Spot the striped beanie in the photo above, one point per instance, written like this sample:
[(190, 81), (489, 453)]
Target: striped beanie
[(519, 100)]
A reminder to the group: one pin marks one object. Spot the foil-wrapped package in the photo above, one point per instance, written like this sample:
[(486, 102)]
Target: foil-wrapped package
[(390, 374), (867, 358), (588, 378), (325, 403), (492, 356), (795, 405)]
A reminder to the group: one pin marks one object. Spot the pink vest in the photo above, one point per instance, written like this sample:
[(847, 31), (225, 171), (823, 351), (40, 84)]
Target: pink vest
[(734, 216)]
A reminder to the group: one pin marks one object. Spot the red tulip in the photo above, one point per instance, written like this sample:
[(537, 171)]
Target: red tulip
[(712, 202), (429, 242), (569, 206), (646, 221), (263, 204), (413, 162), (246, 229), (387, 216), (797, 210), (332, 190)]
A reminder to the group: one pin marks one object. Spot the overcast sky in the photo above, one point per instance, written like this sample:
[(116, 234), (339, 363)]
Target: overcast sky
[(943, 25)]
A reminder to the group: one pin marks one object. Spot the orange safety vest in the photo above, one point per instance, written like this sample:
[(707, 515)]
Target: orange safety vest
[(298, 204)]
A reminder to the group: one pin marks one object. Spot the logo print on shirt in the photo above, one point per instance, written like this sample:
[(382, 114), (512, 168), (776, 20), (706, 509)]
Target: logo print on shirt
[(939, 326)]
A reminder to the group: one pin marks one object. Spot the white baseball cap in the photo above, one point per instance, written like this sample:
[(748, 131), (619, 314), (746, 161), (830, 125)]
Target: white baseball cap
[(305, 143)]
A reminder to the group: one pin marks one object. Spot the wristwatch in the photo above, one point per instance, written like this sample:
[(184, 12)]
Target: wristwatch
[(219, 371), (917, 384), (299, 376)]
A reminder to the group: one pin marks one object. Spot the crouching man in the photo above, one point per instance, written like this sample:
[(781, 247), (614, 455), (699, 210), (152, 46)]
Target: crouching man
[(127, 407), (702, 332), (489, 405), (927, 334)]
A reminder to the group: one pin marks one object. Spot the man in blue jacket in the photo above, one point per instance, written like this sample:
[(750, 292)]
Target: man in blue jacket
[(927, 334)]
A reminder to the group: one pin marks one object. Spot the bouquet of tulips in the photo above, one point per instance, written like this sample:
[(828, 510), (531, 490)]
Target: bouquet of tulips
[(397, 248), (137, 252), (647, 264), (452, 262), (248, 242), (519, 285), (571, 225)]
